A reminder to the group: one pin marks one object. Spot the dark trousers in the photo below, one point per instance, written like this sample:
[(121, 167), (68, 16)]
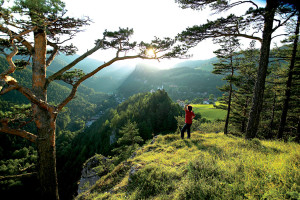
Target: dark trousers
[(186, 127)]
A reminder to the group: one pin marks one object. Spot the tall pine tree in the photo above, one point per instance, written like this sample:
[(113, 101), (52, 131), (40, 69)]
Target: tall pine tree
[(259, 20), (226, 66), (36, 28)]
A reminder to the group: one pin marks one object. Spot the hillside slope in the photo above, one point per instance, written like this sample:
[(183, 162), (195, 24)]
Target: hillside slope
[(208, 166), (180, 83)]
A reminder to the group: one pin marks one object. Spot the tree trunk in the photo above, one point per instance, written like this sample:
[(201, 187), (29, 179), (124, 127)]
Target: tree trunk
[(47, 156), (270, 134), (244, 115), (228, 111), (45, 122), (288, 84), (298, 131), (257, 100)]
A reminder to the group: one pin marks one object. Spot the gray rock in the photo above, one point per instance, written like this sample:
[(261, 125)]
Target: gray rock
[(135, 168), (92, 171)]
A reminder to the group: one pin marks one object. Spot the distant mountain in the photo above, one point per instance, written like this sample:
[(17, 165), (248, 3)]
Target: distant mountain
[(186, 82), (61, 60), (206, 65), (107, 80)]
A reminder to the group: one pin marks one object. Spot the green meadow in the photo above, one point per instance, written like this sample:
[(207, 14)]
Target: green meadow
[(209, 112), (207, 166)]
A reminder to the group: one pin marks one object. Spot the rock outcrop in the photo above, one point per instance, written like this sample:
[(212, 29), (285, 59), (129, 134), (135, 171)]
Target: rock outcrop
[(93, 169)]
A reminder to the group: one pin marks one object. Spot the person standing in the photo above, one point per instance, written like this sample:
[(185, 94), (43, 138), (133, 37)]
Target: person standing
[(189, 116)]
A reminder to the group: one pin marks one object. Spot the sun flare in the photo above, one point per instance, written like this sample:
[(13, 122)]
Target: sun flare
[(151, 53)]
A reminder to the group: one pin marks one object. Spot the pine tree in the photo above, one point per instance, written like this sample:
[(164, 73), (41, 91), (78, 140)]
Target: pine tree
[(34, 29), (256, 19), (245, 80), (128, 141), (227, 66), (289, 81)]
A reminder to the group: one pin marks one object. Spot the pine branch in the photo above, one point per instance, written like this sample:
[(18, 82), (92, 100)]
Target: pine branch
[(18, 37), (3, 178), (76, 85), (72, 64)]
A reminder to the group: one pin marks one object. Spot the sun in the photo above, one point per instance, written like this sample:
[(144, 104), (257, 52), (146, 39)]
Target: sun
[(150, 53)]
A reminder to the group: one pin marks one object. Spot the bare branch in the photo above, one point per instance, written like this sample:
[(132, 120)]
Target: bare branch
[(279, 35), (13, 85), (12, 66), (53, 54), (234, 4), (22, 133), (2, 178), (75, 86), (284, 22), (241, 2), (72, 64)]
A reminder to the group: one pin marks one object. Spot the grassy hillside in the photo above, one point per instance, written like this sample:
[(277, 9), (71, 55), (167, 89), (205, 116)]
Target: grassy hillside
[(207, 166), (209, 112)]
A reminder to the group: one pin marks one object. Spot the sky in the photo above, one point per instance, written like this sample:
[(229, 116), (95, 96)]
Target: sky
[(148, 18)]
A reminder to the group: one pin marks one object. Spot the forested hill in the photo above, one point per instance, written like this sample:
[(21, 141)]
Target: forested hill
[(17, 153), (207, 166), (191, 78), (206, 65), (146, 114), (187, 82)]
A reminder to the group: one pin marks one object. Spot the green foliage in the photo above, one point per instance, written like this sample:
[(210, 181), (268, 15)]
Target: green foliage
[(128, 141), (69, 122), (71, 76), (148, 113), (21, 161)]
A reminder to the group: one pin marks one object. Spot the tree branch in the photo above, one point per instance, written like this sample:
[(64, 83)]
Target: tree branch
[(239, 35), (53, 54), (75, 86), (72, 64), (18, 37), (13, 85), (284, 22), (3, 178), (22, 133), (12, 66), (228, 7)]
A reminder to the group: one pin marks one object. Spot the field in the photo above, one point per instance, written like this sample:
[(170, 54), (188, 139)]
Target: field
[(209, 112)]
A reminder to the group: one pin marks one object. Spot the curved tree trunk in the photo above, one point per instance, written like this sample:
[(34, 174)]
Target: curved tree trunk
[(257, 100), (45, 122)]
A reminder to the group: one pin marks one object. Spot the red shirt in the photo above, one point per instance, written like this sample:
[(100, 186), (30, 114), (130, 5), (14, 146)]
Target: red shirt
[(189, 116)]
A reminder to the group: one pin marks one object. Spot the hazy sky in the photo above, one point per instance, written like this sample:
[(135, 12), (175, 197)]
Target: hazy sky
[(148, 18)]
